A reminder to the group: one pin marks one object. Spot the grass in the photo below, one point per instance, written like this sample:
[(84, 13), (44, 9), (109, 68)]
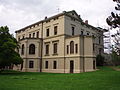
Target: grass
[(103, 79)]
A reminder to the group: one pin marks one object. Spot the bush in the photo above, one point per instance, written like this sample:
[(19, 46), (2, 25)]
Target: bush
[(100, 60)]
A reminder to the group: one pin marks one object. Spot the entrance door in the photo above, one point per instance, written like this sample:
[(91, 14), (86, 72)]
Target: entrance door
[(71, 66)]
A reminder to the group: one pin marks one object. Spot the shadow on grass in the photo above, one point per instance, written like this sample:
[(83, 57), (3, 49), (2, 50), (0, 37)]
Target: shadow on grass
[(12, 72)]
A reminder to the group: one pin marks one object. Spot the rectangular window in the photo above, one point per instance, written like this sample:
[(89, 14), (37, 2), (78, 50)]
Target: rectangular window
[(55, 30), (47, 50), (47, 32), (55, 65), (100, 51), (88, 33), (46, 64), (31, 64), (99, 40), (38, 34), (76, 48), (23, 37), (73, 32), (18, 38), (93, 47), (29, 35), (55, 48), (22, 50), (81, 32), (67, 49), (33, 35)]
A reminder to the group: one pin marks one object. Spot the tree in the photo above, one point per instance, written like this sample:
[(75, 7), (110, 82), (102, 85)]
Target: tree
[(114, 19), (115, 58), (114, 22), (116, 40), (100, 60), (8, 44)]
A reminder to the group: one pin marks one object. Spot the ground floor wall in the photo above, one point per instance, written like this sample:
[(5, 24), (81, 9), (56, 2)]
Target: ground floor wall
[(53, 67), (31, 65), (68, 65), (58, 65)]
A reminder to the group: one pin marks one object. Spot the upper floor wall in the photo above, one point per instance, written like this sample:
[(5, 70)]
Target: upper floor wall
[(53, 27), (75, 27), (67, 23), (31, 32)]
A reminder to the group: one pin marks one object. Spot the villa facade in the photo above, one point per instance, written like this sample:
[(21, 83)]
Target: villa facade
[(60, 44)]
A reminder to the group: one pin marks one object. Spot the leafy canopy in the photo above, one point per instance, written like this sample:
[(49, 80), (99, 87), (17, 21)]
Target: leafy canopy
[(8, 44), (114, 19)]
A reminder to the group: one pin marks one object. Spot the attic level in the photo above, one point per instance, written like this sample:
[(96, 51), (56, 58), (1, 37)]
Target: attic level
[(73, 14)]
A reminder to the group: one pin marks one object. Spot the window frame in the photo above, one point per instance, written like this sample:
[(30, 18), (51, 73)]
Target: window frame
[(72, 47), (31, 64), (55, 30), (46, 64), (33, 35), (54, 64), (73, 31), (32, 49), (22, 50), (76, 48), (47, 49), (47, 32), (55, 48), (37, 34), (67, 49)]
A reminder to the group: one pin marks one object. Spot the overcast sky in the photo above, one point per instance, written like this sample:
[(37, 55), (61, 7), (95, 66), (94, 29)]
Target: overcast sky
[(17, 14)]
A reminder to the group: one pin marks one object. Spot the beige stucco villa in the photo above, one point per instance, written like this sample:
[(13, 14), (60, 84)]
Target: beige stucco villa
[(60, 44)]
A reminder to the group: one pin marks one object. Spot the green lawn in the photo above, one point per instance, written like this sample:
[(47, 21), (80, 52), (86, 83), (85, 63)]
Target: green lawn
[(104, 79)]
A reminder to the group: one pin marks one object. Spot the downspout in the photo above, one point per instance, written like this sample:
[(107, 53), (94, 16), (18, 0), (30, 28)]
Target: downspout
[(64, 44), (83, 56), (41, 48), (64, 53), (26, 55)]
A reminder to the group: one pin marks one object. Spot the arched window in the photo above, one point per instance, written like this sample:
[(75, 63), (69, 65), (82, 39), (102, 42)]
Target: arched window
[(71, 47), (22, 50), (32, 49)]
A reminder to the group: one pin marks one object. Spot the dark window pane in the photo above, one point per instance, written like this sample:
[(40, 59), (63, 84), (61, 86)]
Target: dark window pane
[(18, 38), (29, 35), (23, 37), (47, 50), (88, 33), (55, 30), (47, 32), (76, 46), (38, 34), (71, 47), (33, 35), (99, 40), (55, 48), (22, 51), (93, 47), (73, 30), (81, 32), (32, 49), (31, 64), (46, 64), (67, 49), (55, 65)]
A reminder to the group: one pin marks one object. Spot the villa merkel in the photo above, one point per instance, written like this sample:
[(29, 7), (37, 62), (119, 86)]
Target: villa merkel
[(60, 44)]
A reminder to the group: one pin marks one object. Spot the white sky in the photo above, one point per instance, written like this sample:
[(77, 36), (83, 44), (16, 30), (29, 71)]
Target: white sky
[(17, 14)]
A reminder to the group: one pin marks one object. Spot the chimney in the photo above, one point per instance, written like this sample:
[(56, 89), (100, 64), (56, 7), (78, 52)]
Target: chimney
[(86, 21), (45, 17)]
